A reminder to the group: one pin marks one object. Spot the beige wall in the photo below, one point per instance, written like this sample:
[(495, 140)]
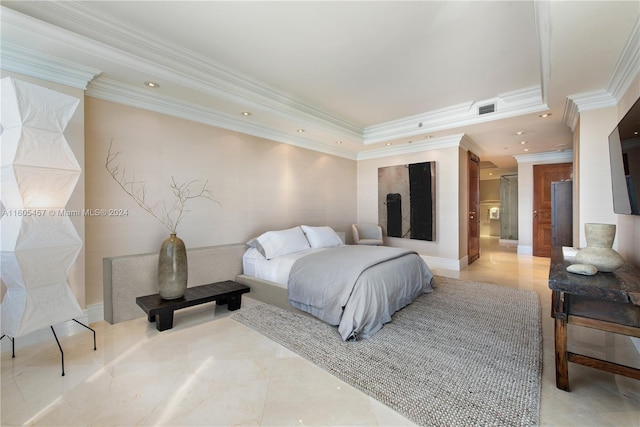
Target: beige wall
[(74, 134), (595, 196), (447, 240), (490, 189), (596, 204), (260, 184), (592, 157)]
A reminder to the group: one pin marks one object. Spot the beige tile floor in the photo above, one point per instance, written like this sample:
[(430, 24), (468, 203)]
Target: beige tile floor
[(210, 370)]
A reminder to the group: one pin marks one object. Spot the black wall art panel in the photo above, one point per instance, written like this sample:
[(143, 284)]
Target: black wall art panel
[(394, 215), (406, 200)]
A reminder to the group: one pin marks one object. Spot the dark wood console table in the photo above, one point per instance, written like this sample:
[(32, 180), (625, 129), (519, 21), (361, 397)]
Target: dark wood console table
[(606, 301), (161, 311)]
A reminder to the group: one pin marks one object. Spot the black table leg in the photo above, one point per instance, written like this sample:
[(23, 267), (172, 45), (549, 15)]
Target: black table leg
[(234, 302), (164, 320)]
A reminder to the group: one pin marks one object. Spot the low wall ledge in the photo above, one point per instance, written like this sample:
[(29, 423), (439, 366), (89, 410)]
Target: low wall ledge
[(129, 276)]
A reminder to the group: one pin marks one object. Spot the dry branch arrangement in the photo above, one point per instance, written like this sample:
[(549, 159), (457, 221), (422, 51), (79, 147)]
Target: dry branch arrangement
[(169, 215)]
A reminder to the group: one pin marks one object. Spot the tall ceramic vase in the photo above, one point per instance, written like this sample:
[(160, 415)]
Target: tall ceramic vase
[(598, 251), (172, 268)]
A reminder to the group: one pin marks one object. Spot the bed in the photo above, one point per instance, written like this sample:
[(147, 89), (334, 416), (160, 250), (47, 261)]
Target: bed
[(356, 288)]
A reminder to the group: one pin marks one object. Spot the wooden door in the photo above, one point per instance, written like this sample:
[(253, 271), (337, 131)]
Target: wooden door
[(473, 234), (543, 176)]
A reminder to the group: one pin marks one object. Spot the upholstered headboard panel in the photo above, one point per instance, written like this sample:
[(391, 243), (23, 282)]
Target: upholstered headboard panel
[(131, 276)]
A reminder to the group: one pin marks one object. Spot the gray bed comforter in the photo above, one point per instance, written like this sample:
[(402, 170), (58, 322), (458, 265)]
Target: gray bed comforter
[(357, 288)]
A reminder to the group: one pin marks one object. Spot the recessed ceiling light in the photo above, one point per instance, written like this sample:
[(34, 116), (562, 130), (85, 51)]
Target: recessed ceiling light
[(388, 144), (300, 130), (152, 84), (520, 132), (429, 136), (338, 142), (246, 113), (526, 149), (544, 115), (523, 142)]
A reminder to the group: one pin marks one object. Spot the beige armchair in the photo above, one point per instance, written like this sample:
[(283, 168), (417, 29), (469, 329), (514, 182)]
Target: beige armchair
[(367, 234)]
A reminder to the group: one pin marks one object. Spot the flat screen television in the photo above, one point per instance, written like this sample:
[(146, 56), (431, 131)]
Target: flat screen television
[(624, 154)]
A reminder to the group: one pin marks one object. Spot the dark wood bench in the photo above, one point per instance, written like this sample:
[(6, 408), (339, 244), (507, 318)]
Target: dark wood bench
[(161, 311)]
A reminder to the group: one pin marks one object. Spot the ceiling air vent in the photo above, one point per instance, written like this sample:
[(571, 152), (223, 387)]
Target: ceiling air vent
[(485, 109)]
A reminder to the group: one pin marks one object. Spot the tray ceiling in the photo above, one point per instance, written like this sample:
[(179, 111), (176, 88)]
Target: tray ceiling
[(367, 74)]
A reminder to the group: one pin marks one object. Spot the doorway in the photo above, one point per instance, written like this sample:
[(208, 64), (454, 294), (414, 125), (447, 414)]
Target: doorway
[(543, 176)]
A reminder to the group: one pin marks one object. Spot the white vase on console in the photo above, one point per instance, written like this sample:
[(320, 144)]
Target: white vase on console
[(598, 251)]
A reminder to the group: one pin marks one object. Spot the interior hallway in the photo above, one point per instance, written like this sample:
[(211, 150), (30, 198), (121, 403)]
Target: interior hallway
[(210, 370)]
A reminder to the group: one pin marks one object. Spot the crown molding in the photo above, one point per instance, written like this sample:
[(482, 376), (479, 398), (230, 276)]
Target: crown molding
[(113, 91), (415, 147), (138, 50), (571, 114), (628, 66), (547, 157), (509, 104), (141, 51), (120, 93), (34, 64), (625, 72), (468, 144), (586, 101)]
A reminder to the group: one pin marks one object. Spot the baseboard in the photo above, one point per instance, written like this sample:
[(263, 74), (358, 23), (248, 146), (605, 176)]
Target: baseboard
[(525, 250), (445, 263), (93, 313), (507, 242)]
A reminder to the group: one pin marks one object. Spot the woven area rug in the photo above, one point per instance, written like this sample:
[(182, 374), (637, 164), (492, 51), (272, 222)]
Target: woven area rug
[(469, 354)]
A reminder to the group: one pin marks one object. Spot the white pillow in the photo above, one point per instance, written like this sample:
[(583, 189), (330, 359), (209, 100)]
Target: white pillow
[(281, 242), (322, 237), (253, 253)]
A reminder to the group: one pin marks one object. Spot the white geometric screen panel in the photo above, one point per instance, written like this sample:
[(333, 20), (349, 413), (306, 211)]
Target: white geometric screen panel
[(39, 173)]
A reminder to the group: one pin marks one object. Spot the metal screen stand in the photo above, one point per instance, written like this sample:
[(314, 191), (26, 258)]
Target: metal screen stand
[(13, 352), (13, 345)]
